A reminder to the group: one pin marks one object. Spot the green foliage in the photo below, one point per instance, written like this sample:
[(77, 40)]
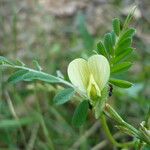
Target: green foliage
[(147, 147), (117, 48), (124, 44), (123, 56), (57, 120), (120, 83), (121, 67), (116, 26), (108, 42), (30, 76), (129, 18), (4, 60), (64, 96), (101, 49), (17, 76), (80, 113), (27, 74), (129, 33), (113, 38), (98, 106)]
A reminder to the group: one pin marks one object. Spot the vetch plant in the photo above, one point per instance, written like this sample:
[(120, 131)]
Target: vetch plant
[(91, 76), (93, 80)]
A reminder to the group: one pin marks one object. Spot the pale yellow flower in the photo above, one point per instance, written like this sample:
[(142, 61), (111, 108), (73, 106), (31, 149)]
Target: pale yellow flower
[(91, 76)]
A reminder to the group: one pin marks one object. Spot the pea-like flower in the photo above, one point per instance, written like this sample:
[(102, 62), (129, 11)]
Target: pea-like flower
[(89, 76)]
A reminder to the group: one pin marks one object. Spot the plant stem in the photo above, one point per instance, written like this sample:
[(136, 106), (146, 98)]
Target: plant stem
[(109, 135), (59, 80), (126, 127)]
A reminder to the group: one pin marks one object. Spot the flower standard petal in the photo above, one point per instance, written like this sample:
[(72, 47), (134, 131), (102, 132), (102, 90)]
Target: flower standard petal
[(78, 73), (100, 69)]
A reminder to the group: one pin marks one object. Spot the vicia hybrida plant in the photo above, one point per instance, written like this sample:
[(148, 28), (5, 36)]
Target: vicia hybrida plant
[(93, 79)]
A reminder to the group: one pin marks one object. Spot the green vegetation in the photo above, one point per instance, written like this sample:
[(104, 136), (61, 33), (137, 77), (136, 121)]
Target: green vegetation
[(31, 112)]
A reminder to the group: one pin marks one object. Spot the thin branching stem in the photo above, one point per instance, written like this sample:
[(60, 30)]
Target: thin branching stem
[(109, 135)]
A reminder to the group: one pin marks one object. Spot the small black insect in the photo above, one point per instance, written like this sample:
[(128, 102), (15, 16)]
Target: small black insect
[(90, 106), (110, 89)]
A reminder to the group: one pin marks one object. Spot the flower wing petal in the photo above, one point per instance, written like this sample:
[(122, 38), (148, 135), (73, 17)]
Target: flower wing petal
[(78, 73), (100, 69)]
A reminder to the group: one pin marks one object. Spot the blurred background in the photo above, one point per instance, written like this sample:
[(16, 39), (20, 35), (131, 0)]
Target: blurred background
[(54, 32)]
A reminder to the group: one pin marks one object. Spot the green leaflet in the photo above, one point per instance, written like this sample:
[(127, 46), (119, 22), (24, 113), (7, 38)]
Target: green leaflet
[(122, 56), (120, 83), (101, 49), (129, 18), (129, 33), (80, 113), (64, 96), (123, 44), (121, 67), (26, 75), (41, 76), (17, 76), (4, 60), (113, 38), (108, 42), (116, 26)]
